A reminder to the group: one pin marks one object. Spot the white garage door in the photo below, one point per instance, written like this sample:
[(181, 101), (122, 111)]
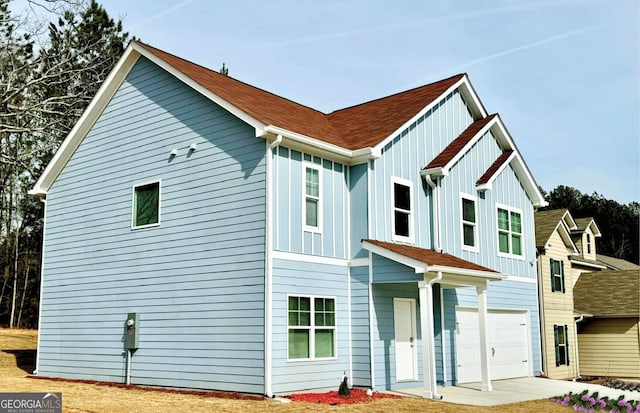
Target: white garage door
[(508, 344)]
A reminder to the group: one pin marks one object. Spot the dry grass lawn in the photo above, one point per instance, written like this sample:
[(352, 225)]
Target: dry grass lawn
[(17, 348)]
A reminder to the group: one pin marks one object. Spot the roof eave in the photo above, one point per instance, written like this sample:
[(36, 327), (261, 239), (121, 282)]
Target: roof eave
[(86, 121)]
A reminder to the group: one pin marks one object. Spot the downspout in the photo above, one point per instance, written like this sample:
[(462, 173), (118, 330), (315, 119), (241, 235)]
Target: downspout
[(268, 282), (436, 212), (543, 325), (44, 232), (432, 362), (575, 346)]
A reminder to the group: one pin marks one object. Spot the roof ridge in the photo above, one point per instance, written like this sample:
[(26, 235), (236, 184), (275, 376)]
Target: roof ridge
[(228, 77), (459, 75)]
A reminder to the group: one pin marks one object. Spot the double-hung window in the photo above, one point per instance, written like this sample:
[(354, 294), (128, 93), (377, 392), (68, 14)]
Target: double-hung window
[(561, 340), (402, 220), (146, 205), (509, 231), (557, 275), (311, 327), (312, 204), (469, 223)]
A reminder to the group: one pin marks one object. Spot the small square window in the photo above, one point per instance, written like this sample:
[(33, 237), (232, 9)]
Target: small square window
[(146, 205)]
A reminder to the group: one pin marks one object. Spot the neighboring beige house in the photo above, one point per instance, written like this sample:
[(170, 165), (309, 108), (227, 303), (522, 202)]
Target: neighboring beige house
[(584, 235), (555, 245), (609, 335)]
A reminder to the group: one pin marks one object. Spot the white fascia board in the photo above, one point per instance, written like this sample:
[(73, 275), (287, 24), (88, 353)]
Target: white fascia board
[(489, 185), (483, 275), (199, 88), (569, 221), (418, 266), (595, 229), (308, 144), (424, 110), (520, 167), (85, 123), (438, 171), (469, 144), (566, 236), (471, 97)]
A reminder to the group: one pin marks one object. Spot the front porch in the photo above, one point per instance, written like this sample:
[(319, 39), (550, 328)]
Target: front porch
[(428, 268)]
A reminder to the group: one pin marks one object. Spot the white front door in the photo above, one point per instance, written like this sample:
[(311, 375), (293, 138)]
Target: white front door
[(404, 318)]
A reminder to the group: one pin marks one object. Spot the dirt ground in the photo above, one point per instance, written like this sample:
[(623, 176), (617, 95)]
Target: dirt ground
[(17, 355)]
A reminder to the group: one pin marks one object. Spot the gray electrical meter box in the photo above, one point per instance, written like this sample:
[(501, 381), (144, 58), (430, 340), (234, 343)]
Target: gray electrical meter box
[(132, 328)]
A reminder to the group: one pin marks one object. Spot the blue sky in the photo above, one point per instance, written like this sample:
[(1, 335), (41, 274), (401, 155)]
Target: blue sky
[(563, 74)]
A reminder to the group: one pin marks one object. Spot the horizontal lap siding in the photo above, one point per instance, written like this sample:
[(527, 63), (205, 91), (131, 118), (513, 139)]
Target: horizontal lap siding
[(197, 280), (610, 347), (360, 341), (308, 279)]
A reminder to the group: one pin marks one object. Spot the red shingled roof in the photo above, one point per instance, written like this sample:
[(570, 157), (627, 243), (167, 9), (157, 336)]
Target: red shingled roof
[(429, 257), (352, 128), (486, 177), (458, 143)]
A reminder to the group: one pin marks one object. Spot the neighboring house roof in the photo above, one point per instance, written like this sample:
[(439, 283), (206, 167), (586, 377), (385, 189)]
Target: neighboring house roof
[(428, 260), (352, 135), (616, 263), (584, 223), (547, 222), (608, 293)]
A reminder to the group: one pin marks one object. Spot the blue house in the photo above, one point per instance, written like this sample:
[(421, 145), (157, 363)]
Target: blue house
[(249, 243)]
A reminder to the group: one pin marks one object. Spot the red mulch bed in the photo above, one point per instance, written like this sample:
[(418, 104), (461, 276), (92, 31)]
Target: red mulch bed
[(333, 398)]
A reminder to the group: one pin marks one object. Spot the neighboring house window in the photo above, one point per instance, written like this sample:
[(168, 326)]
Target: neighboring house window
[(588, 244), (312, 198), (509, 231), (146, 205), (557, 275), (312, 326), (469, 223), (561, 338), (402, 210)]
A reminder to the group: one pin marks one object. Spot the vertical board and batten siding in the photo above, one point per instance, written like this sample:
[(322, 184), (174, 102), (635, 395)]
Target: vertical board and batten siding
[(507, 190), (558, 308), (610, 347), (405, 156), (359, 209), (289, 194), (197, 279), (308, 279), (500, 295)]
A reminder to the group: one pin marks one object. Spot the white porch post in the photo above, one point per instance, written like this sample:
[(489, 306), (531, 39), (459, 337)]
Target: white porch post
[(425, 290), (484, 345)]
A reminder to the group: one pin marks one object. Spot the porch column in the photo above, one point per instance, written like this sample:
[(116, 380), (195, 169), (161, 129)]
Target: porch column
[(484, 336), (425, 290)]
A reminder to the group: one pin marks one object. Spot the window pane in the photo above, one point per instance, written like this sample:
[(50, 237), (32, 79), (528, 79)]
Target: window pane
[(401, 197), (312, 212), (503, 239), (293, 303), (468, 210), (305, 303), (146, 204), (324, 343), (298, 344), (561, 337), (319, 319), (294, 318), (557, 283), (515, 223), (469, 235), (313, 182), (402, 223), (515, 245), (503, 219), (319, 303)]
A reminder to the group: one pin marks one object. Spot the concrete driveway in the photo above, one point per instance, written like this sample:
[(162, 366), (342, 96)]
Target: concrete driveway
[(518, 390)]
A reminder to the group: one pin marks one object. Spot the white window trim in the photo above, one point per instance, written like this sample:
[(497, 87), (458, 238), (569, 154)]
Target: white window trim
[(394, 236), (312, 328), (133, 204), (317, 167), (476, 247), (522, 238)]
